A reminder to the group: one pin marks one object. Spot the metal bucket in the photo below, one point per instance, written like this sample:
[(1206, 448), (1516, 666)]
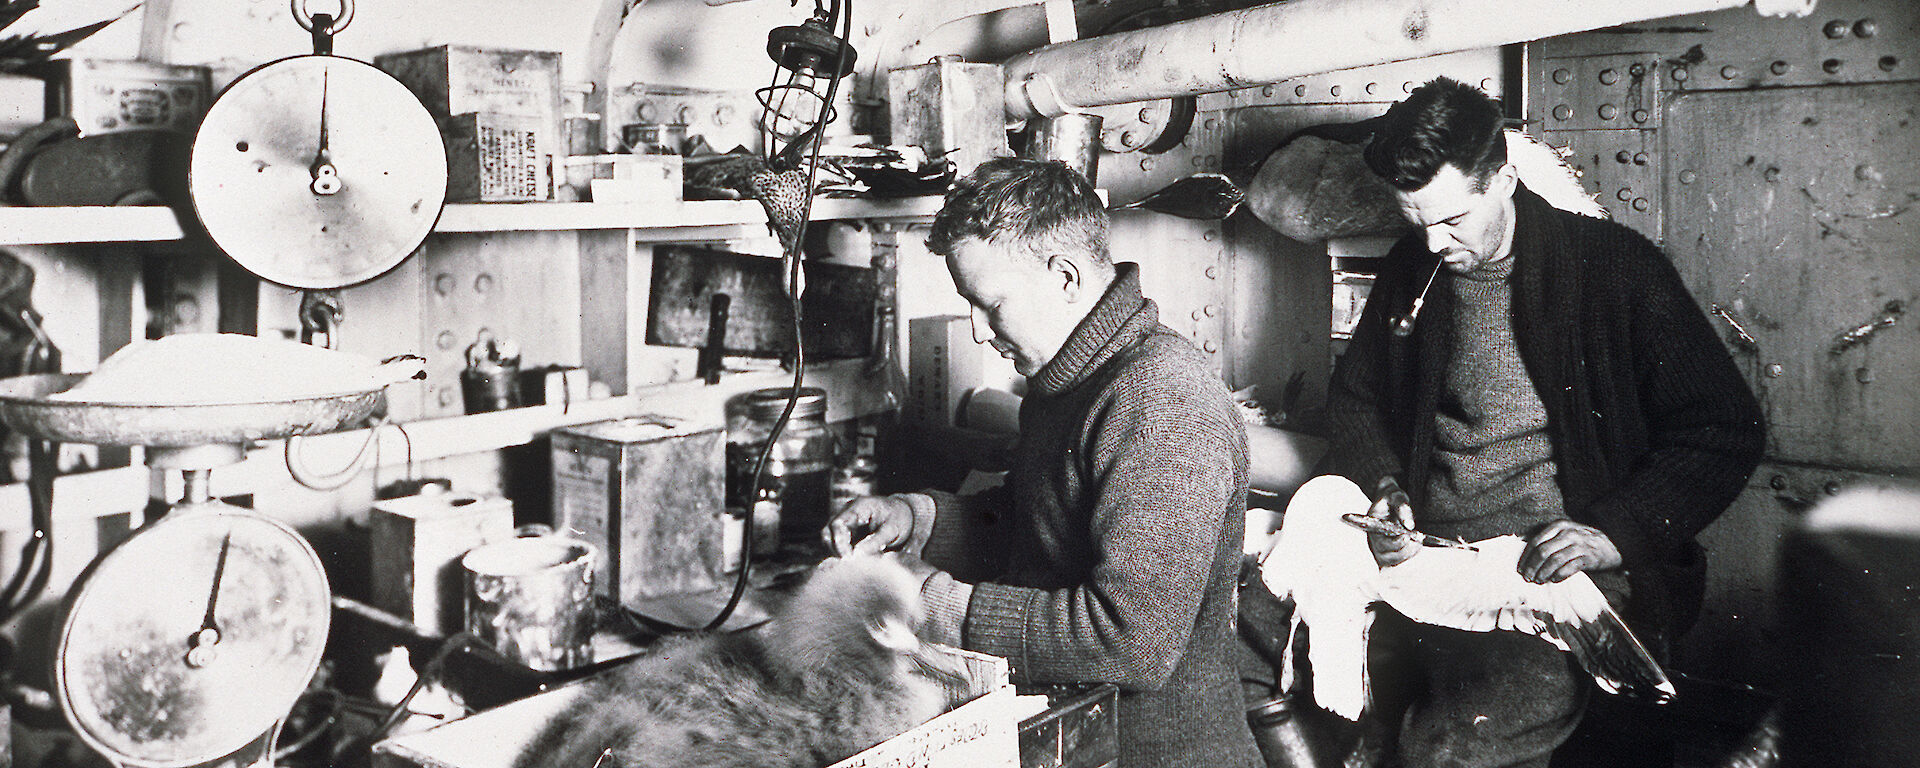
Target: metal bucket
[(532, 600)]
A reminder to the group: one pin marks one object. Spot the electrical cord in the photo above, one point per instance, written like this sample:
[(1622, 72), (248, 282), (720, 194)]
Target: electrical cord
[(36, 556), (843, 10)]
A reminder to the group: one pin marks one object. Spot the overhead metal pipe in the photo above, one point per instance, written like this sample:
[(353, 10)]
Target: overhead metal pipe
[(1273, 42)]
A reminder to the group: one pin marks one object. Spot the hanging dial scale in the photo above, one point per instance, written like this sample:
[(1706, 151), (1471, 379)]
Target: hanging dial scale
[(190, 642), (318, 171)]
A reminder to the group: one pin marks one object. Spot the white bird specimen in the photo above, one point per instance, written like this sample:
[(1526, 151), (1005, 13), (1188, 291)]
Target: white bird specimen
[(1322, 563)]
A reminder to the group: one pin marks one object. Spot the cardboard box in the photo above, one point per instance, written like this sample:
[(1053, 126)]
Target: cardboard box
[(982, 733), (943, 364), (651, 496), (628, 178)]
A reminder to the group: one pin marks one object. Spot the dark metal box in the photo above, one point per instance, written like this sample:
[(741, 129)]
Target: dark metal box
[(652, 495)]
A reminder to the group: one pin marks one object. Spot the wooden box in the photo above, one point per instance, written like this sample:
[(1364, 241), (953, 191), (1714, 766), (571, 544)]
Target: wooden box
[(978, 734), (497, 158), (651, 496), (456, 80)]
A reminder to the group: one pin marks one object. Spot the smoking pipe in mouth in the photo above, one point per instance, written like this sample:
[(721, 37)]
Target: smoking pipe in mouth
[(1403, 325)]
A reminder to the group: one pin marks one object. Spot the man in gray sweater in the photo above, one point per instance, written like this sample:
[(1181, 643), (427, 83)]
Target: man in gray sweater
[(1111, 555)]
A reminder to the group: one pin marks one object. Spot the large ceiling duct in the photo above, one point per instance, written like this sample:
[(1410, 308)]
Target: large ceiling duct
[(1302, 37)]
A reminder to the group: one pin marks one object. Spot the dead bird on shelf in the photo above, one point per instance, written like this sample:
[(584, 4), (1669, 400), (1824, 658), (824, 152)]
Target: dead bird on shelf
[(838, 670)]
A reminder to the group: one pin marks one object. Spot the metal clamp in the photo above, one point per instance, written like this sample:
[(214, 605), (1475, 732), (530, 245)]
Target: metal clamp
[(1853, 337), (1044, 97), (1742, 338)]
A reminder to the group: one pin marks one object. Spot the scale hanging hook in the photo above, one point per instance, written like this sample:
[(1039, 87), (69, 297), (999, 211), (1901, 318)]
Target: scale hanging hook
[(320, 316), (323, 25)]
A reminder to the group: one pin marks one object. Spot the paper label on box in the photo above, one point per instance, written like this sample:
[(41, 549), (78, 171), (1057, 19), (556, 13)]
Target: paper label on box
[(509, 163), (982, 733), (583, 484)]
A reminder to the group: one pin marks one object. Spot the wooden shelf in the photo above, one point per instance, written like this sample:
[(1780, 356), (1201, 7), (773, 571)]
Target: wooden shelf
[(695, 220), (90, 224), (697, 214), (82, 497)]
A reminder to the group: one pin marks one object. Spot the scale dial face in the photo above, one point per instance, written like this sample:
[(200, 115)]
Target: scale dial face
[(318, 172), (138, 677)]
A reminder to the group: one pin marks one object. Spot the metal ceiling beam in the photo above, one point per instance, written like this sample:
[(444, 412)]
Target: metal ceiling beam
[(1273, 42)]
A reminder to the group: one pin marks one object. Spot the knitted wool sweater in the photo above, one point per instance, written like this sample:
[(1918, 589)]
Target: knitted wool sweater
[(1113, 553), (1654, 430)]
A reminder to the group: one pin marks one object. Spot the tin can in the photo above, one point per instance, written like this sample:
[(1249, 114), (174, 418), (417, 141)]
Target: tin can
[(532, 600), (1072, 138)]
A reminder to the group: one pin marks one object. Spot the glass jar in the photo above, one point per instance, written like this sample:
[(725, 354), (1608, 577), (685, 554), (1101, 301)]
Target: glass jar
[(799, 471)]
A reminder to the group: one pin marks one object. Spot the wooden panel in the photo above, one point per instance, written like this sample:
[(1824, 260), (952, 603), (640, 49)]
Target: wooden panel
[(1079, 729), (837, 305), (1778, 216), (520, 287)]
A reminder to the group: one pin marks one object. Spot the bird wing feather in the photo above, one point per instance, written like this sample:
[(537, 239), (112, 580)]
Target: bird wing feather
[(1483, 591)]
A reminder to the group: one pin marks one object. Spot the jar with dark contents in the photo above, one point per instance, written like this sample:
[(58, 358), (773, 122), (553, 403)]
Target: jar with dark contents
[(799, 471)]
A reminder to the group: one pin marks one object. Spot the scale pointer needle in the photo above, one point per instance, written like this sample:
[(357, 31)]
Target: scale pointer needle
[(200, 651), (326, 179)]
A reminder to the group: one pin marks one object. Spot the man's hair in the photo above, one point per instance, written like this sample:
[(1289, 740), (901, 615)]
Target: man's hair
[(1444, 121), (1040, 207)]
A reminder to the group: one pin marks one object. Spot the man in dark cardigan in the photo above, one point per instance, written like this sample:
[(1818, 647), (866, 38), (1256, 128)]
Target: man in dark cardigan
[(1112, 553), (1558, 382)]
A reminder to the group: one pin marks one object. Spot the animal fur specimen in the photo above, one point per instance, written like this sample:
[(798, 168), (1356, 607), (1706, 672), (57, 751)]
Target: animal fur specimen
[(838, 670)]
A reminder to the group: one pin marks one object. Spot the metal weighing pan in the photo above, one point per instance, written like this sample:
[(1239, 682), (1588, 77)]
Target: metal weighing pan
[(25, 408)]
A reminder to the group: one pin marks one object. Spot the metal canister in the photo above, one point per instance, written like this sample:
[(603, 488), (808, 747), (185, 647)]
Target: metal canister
[(1072, 138), (799, 470), (532, 599), (491, 380)]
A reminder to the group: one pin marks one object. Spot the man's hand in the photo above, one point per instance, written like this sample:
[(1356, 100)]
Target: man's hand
[(1391, 503), (1564, 548), (870, 524)]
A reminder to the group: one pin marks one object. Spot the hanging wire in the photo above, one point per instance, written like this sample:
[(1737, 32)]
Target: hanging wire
[(843, 11), (333, 481), (36, 558)]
